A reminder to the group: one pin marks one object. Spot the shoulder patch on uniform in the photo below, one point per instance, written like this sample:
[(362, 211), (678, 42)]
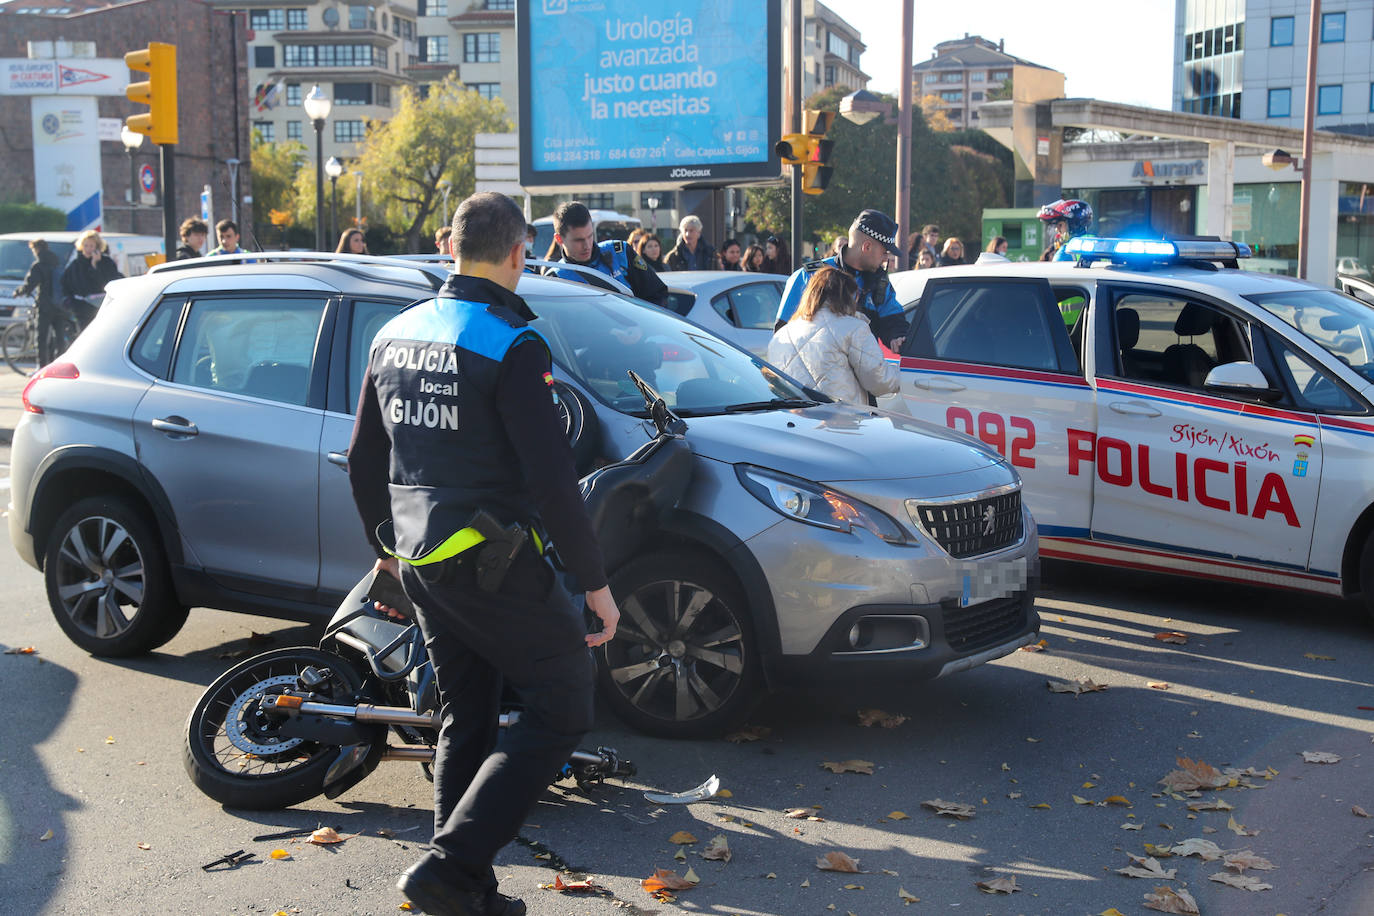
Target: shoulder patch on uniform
[(506, 315), (617, 245), (814, 264), (640, 263)]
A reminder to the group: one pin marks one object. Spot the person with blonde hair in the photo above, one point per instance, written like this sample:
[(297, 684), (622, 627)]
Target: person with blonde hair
[(86, 276), (952, 254), (827, 344)]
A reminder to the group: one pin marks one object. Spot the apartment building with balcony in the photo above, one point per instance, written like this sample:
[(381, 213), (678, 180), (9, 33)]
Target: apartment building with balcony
[(474, 39), (831, 48), (964, 73), (356, 52)]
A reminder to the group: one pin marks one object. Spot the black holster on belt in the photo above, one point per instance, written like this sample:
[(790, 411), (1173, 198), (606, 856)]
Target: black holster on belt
[(496, 554)]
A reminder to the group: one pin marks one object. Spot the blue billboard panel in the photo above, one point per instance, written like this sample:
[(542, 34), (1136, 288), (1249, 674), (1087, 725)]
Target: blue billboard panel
[(683, 95)]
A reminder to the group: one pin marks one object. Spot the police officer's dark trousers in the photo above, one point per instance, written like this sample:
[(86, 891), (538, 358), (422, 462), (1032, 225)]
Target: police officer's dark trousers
[(528, 636)]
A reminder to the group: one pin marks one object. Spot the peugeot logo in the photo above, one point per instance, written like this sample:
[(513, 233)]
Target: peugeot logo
[(989, 514)]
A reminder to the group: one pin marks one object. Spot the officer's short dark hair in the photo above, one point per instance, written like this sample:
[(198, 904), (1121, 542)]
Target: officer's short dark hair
[(193, 225), (486, 227), (38, 246), (571, 215), (227, 224)]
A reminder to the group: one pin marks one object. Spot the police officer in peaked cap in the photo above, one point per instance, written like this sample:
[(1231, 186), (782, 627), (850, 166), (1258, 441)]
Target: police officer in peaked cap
[(463, 475), (872, 237)]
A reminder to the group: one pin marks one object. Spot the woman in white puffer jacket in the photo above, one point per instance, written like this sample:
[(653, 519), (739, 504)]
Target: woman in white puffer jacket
[(828, 345)]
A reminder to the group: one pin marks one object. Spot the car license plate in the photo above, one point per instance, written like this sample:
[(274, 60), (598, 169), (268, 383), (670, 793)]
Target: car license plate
[(992, 580)]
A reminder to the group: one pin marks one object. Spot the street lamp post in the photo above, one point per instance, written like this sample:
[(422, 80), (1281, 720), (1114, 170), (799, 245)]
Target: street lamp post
[(653, 212), (132, 141), (445, 186), (334, 168), (317, 106), (233, 188)]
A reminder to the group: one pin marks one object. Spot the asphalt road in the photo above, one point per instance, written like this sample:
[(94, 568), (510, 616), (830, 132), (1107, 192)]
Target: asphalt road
[(90, 750)]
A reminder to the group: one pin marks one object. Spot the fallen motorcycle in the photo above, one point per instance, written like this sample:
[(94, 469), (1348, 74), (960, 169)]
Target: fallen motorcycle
[(287, 725)]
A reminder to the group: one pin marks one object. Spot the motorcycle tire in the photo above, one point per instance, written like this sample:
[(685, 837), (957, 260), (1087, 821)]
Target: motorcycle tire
[(261, 781)]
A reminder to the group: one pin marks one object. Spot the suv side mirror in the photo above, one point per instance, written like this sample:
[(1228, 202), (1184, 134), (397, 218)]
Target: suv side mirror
[(1241, 379)]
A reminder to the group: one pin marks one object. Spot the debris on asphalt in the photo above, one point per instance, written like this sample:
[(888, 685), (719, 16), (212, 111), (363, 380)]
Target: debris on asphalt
[(871, 717), (26, 650), (283, 835), (749, 733), (702, 792), (682, 838), (1172, 636), (1146, 867), (849, 766), (1076, 686), (1167, 900), (230, 860), (717, 850), (1320, 757)]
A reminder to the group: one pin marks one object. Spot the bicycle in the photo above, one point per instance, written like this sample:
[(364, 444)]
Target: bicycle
[(19, 342)]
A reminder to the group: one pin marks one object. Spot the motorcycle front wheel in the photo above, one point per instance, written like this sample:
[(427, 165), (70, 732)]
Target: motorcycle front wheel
[(233, 752)]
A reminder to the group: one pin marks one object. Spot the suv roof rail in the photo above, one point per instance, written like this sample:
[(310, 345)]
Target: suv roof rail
[(327, 258)]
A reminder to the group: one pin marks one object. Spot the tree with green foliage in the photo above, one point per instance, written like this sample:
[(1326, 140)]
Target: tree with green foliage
[(426, 140), (276, 168), (954, 176), (17, 216)]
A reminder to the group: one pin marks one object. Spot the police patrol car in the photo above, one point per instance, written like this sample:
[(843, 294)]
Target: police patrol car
[(1165, 410)]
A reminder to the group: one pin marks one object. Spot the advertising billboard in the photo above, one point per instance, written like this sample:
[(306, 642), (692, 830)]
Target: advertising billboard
[(614, 92)]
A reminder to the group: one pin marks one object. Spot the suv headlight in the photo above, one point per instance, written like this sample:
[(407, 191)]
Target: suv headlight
[(815, 504)]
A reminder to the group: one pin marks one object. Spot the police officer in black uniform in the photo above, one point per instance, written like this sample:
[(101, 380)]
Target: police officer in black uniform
[(574, 241), (462, 475)]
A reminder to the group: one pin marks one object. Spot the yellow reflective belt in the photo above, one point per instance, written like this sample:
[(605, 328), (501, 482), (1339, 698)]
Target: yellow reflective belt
[(538, 544), (453, 545)]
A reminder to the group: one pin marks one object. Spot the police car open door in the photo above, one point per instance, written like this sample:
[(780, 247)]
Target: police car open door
[(1189, 476), (991, 357)]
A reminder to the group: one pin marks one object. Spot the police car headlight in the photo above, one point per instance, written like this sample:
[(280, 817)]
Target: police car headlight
[(814, 504)]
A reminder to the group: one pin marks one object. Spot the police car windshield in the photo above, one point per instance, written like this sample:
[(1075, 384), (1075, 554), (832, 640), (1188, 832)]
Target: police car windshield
[(596, 339), (1340, 325)]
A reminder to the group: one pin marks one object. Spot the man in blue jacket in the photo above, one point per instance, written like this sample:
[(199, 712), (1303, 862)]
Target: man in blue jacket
[(872, 237), (574, 238)]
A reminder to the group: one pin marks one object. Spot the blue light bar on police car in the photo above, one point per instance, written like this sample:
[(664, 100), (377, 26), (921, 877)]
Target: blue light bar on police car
[(1089, 248)]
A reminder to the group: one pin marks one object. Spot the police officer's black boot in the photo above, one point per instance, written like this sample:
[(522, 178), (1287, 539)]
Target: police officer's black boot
[(425, 885)]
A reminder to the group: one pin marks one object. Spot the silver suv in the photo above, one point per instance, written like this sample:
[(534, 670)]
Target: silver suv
[(189, 450)]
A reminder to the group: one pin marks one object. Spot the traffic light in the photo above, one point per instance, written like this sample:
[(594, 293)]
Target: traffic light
[(811, 151), (158, 92)]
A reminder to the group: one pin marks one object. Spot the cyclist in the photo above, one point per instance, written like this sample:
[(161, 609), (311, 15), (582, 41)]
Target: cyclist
[(1064, 219), (41, 283)]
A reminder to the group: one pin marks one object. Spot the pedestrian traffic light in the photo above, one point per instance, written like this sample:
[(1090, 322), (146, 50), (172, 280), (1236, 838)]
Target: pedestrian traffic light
[(816, 170), (158, 92)]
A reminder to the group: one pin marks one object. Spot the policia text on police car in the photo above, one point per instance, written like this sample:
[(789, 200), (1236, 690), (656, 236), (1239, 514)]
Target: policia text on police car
[(463, 477)]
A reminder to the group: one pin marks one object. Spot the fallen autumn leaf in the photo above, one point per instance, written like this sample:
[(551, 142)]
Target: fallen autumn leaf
[(718, 849), (1195, 846), (871, 717), (1168, 900), (325, 836), (849, 766), (1146, 867), (838, 861), (1320, 757), (1003, 885), (1076, 686), (682, 838), (949, 809), (665, 879), (1244, 882), (1172, 636), (1240, 861)]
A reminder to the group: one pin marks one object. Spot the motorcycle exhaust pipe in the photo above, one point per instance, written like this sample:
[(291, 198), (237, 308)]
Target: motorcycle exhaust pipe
[(370, 714), (414, 752)]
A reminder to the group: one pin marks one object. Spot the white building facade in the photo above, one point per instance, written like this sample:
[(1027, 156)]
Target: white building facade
[(1247, 59)]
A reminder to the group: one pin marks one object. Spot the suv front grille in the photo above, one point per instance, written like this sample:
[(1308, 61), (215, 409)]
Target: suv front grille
[(972, 527), (979, 626)]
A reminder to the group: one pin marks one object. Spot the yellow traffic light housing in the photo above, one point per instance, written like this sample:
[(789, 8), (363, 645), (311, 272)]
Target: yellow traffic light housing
[(158, 92), (816, 171), (794, 149)]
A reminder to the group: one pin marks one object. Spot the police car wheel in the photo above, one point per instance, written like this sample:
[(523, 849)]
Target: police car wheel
[(684, 662), (107, 579), (1367, 574)]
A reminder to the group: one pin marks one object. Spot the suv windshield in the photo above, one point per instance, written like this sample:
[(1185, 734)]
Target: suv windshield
[(596, 339), (1340, 325), (15, 256)]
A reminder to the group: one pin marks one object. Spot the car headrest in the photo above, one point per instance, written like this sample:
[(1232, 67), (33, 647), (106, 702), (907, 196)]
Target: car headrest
[(1128, 328), (1194, 320)]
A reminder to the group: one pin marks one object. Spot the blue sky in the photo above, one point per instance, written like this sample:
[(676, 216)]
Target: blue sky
[(1119, 52)]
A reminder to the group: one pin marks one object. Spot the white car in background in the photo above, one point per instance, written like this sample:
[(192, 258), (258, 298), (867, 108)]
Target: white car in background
[(739, 306)]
